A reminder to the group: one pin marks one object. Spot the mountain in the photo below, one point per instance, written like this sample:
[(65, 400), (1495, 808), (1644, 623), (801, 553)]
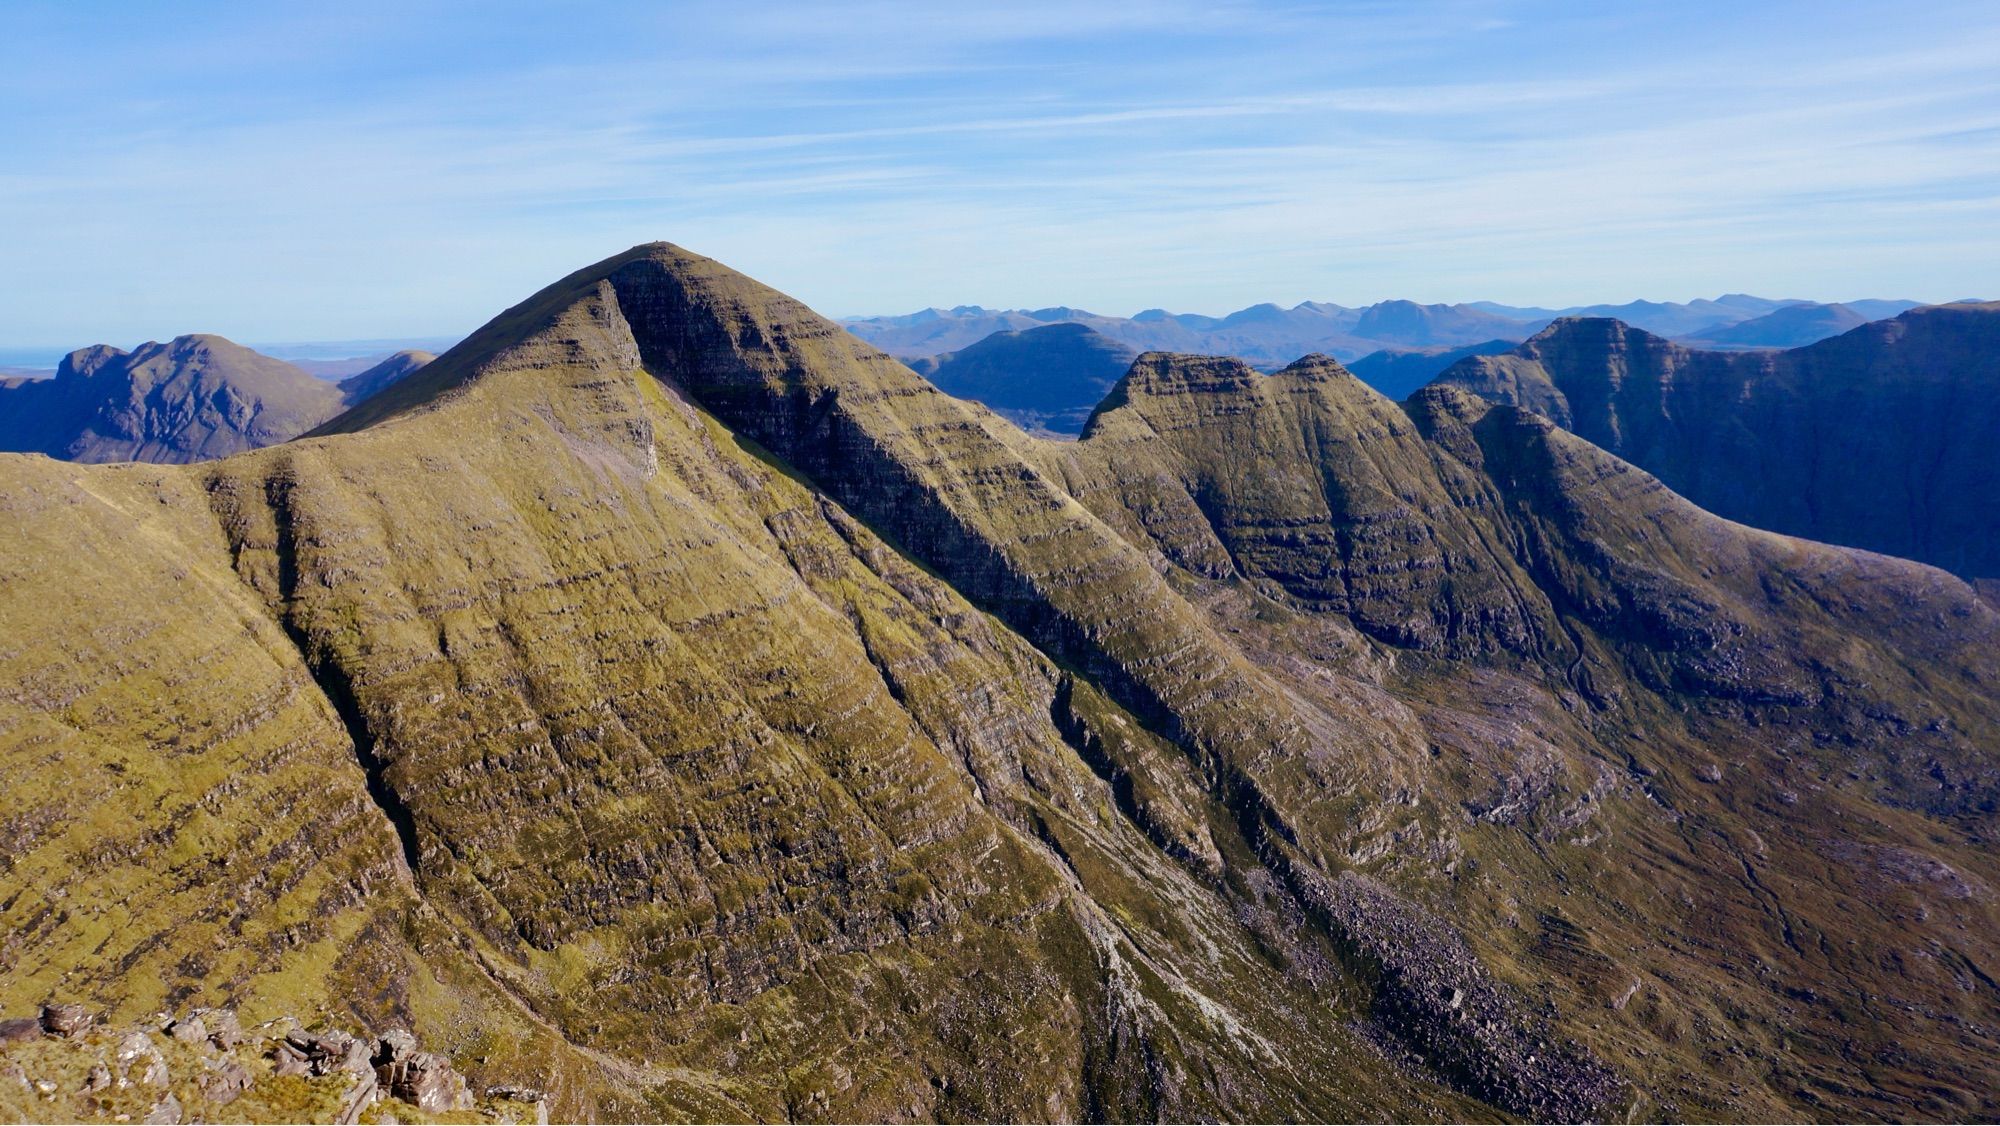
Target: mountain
[(1879, 438), (1398, 373), (1702, 321), (668, 701), (1674, 318), (1046, 378), (1411, 324), (194, 398), (311, 353), (375, 379), (191, 399), (1050, 378), (1878, 310), (1271, 336), (1793, 326), (1267, 334), (334, 371)]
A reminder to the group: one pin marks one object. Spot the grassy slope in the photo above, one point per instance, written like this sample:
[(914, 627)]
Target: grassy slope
[(707, 777), (725, 801)]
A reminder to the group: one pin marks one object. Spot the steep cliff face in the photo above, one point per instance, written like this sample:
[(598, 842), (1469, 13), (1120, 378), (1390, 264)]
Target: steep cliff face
[(193, 398), (717, 720), (1876, 438)]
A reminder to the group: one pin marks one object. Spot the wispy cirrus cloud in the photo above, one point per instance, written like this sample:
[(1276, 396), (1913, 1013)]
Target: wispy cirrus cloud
[(381, 169)]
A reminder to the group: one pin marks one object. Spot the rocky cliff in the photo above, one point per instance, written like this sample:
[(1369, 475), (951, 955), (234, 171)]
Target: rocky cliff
[(1878, 438), (668, 702)]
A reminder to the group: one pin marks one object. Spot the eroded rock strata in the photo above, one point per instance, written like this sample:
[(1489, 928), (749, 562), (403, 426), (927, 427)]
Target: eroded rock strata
[(667, 702)]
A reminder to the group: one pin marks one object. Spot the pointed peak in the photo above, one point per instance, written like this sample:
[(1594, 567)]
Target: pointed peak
[(651, 301)]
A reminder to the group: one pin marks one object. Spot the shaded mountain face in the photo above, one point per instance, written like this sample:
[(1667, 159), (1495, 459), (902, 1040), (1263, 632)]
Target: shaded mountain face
[(377, 378), (1879, 438), (1399, 373), (667, 699), (1041, 379), (191, 399), (195, 398)]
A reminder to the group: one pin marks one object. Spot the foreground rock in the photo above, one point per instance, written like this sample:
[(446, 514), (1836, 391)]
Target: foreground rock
[(203, 1067)]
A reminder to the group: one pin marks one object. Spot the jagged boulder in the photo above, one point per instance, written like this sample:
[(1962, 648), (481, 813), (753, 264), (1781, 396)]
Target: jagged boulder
[(65, 1020), (423, 1079)]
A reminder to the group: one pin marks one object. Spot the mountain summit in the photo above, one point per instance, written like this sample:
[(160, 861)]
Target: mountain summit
[(753, 731)]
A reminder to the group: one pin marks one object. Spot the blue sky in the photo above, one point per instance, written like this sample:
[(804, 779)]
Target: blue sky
[(294, 172)]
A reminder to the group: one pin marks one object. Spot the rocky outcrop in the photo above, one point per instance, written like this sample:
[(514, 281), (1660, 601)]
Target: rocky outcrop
[(203, 1067)]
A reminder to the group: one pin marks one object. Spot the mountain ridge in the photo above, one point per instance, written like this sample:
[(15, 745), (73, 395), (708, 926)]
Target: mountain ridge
[(755, 731), (1871, 438), (1271, 336), (194, 397)]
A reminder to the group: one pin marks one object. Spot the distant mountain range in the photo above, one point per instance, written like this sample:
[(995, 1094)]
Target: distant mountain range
[(1880, 438), (1270, 336), (1793, 326), (191, 399)]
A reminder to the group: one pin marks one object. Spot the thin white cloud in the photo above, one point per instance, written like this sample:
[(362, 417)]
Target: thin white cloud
[(1108, 156)]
